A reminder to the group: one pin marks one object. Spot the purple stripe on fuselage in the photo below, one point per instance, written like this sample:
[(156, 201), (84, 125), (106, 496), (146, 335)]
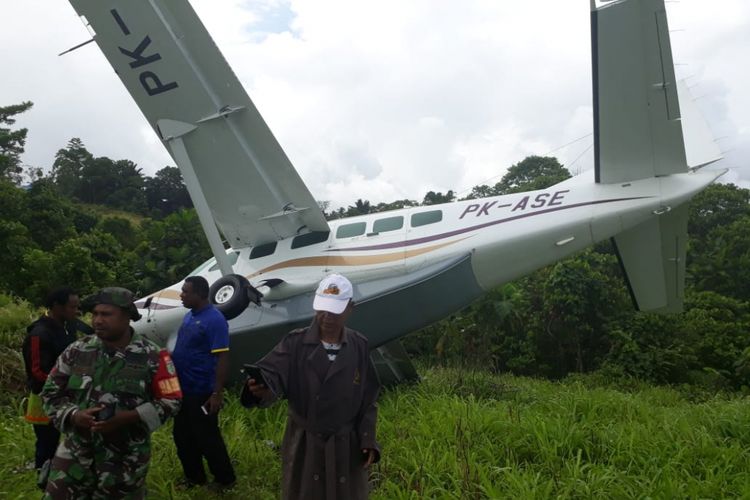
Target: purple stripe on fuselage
[(435, 237)]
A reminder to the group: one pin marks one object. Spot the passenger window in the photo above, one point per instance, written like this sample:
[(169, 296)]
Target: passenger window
[(389, 224), (307, 239), (263, 250), (351, 230), (232, 261), (424, 218)]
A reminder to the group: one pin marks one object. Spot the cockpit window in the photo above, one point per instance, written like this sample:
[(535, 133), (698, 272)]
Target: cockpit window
[(308, 239), (351, 230), (424, 218), (263, 250)]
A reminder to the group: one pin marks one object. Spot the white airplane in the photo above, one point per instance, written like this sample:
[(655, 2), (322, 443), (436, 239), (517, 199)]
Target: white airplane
[(414, 266)]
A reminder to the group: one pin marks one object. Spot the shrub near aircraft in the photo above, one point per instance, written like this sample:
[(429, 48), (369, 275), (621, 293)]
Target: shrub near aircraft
[(413, 266)]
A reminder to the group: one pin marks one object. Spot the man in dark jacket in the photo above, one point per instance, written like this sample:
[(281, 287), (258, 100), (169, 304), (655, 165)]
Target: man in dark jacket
[(46, 338), (326, 374)]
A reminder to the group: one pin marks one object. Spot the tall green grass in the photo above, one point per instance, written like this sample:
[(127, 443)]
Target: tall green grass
[(465, 434), (476, 435)]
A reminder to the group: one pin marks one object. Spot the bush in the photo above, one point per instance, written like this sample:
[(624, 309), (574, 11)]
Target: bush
[(15, 316)]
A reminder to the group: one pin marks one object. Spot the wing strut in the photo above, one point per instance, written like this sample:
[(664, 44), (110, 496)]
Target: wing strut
[(172, 132)]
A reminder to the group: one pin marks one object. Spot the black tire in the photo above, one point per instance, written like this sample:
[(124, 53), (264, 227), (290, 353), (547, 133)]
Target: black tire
[(229, 295)]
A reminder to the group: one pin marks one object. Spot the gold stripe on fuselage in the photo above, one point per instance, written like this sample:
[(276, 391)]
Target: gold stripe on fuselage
[(350, 260), (327, 260)]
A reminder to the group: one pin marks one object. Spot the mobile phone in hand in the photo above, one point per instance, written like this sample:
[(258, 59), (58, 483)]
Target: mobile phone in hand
[(253, 372), (105, 413)]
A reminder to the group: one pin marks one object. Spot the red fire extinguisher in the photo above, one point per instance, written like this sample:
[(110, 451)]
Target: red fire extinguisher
[(165, 383)]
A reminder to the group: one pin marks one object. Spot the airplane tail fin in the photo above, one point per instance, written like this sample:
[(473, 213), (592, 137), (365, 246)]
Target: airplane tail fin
[(652, 256), (637, 129), (642, 118)]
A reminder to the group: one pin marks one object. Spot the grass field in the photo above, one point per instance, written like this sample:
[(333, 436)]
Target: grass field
[(464, 434)]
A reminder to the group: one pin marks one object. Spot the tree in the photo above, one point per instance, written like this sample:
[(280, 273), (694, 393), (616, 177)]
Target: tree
[(487, 330), (166, 192), (715, 328), (394, 205), (717, 205), (68, 166), (117, 184), (16, 242), (532, 173), (170, 249), (48, 216), (84, 262), (360, 207), (723, 264), (121, 228), (582, 296), (648, 347), (12, 142), (128, 193), (433, 198), (482, 191)]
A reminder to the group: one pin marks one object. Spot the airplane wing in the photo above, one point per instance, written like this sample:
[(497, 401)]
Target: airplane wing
[(183, 85), (637, 131)]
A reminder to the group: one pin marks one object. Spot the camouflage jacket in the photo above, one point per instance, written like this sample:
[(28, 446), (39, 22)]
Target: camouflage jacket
[(88, 374)]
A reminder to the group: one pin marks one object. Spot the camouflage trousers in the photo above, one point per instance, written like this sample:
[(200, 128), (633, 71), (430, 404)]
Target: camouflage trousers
[(90, 468)]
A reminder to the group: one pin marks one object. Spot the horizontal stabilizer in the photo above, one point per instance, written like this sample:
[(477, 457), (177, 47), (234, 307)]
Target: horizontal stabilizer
[(652, 256)]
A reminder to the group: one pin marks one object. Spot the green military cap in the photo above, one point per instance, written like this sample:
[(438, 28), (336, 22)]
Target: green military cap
[(113, 295)]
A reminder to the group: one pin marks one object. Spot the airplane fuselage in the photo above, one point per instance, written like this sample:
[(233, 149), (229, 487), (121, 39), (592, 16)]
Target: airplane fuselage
[(445, 256)]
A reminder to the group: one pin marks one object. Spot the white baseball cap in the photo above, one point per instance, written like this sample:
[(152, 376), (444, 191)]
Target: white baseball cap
[(333, 294)]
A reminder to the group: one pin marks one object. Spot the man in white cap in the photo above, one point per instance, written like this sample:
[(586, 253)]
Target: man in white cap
[(326, 374)]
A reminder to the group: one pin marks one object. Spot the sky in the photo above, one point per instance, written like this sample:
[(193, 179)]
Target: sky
[(381, 100)]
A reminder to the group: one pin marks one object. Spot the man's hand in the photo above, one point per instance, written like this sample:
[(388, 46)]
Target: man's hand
[(260, 391), (214, 403), (370, 455), (120, 419), (84, 419)]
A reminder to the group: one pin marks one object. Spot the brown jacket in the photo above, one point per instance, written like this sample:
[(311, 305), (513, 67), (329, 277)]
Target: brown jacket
[(332, 413)]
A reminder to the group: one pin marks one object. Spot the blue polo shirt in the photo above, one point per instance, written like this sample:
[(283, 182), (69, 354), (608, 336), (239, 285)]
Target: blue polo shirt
[(203, 334)]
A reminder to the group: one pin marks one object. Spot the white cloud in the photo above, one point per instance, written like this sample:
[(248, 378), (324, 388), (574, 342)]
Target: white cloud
[(379, 100)]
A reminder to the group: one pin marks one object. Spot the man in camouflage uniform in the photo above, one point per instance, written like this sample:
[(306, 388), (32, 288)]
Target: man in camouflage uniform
[(107, 393)]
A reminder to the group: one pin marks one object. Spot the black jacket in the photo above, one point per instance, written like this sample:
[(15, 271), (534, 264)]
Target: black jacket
[(45, 340)]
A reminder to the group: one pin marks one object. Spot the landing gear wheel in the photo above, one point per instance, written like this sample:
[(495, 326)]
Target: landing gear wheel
[(229, 295)]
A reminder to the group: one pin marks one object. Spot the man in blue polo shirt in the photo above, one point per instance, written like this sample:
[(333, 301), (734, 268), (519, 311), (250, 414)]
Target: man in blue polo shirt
[(201, 357)]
